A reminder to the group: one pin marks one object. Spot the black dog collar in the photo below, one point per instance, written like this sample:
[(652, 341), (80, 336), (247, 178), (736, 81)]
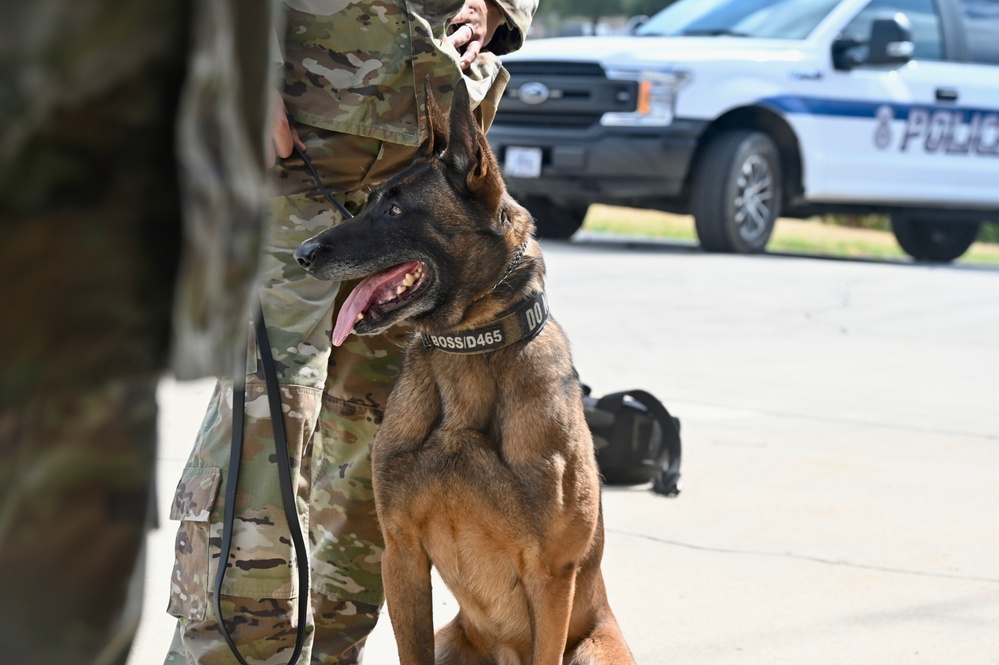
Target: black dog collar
[(523, 323)]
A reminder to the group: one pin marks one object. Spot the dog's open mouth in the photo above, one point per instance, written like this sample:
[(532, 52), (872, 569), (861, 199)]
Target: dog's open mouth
[(378, 295)]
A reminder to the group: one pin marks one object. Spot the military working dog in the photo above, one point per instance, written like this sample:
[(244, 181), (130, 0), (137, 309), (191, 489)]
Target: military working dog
[(484, 465)]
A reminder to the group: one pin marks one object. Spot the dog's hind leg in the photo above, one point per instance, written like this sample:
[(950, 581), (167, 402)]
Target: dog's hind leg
[(453, 647), (604, 645)]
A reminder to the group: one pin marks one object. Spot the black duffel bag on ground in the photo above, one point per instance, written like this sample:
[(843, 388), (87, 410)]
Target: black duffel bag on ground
[(636, 440)]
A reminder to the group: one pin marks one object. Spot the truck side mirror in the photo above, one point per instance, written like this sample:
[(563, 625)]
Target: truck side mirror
[(844, 54), (891, 41)]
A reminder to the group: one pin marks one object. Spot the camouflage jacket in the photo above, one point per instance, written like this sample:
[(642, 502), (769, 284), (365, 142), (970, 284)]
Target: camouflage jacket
[(359, 67)]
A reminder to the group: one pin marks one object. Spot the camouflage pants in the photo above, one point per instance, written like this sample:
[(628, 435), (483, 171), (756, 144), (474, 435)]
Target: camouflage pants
[(75, 472), (333, 401), (90, 239)]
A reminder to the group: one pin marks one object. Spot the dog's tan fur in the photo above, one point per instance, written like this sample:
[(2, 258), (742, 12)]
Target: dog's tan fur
[(484, 465)]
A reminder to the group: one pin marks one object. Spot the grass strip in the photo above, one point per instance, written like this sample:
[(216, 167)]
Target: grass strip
[(812, 237)]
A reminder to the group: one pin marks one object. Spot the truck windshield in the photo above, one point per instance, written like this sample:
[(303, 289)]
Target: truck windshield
[(767, 19)]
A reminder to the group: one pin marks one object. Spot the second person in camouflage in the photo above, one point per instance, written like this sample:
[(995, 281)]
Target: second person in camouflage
[(353, 78)]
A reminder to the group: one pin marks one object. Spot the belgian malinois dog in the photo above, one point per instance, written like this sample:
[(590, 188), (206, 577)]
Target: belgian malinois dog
[(484, 465)]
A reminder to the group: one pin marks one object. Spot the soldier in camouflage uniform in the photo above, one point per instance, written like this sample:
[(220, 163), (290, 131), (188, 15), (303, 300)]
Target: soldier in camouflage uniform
[(97, 271), (354, 83)]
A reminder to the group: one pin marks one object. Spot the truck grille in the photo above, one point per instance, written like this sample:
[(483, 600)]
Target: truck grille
[(574, 121), (546, 68), (579, 93)]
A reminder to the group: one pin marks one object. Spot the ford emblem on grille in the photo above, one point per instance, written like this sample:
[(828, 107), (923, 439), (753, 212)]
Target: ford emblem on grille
[(534, 92)]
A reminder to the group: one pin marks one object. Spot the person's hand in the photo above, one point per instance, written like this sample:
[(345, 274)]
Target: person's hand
[(284, 137), (473, 27)]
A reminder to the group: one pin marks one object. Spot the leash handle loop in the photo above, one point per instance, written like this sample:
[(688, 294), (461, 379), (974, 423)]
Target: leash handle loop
[(283, 455)]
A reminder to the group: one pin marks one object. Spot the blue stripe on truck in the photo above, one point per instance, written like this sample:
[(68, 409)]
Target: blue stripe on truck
[(849, 108)]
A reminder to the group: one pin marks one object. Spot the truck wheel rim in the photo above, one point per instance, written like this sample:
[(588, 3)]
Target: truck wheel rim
[(753, 210)]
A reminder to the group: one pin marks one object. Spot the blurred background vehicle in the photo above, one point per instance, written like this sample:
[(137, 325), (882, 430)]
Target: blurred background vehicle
[(738, 111)]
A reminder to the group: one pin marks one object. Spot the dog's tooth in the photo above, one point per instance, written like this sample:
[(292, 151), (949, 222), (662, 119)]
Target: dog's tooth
[(409, 280), (360, 315), (400, 290)]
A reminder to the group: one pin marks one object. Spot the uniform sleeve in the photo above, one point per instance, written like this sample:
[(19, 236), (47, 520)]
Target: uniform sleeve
[(511, 35)]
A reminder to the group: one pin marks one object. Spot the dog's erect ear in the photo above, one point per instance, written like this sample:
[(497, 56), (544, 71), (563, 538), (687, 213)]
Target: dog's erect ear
[(436, 141), (462, 156), (468, 154)]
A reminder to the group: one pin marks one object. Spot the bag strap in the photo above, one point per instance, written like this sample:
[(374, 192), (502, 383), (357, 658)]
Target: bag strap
[(283, 456), (668, 481)]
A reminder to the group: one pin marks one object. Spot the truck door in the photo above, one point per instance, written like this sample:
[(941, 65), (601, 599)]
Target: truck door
[(884, 140), (971, 156)]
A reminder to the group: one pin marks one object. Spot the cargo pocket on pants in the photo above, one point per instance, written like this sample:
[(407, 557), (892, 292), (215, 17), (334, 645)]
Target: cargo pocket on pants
[(192, 505)]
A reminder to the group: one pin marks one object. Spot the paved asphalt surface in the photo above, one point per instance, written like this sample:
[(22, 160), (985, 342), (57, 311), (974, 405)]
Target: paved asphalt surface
[(841, 456)]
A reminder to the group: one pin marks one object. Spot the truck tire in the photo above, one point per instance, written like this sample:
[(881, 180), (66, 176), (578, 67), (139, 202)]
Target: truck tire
[(552, 220), (938, 242), (736, 192)]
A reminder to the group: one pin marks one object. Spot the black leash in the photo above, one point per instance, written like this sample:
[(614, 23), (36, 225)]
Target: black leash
[(319, 183), (283, 455)]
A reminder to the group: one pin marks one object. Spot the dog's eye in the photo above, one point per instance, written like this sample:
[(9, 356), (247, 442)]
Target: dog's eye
[(394, 210)]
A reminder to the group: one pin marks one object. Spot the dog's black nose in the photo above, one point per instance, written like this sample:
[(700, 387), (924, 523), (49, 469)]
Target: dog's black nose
[(305, 254)]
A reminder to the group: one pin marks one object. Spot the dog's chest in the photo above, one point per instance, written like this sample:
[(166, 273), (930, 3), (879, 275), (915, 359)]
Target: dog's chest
[(456, 468), (489, 452)]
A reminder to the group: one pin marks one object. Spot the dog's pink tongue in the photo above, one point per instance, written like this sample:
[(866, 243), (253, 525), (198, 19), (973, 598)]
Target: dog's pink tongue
[(370, 289)]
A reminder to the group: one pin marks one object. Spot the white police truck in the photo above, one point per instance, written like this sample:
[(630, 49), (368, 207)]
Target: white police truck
[(737, 111)]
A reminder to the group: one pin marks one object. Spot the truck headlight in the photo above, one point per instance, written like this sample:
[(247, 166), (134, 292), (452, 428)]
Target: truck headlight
[(656, 101)]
